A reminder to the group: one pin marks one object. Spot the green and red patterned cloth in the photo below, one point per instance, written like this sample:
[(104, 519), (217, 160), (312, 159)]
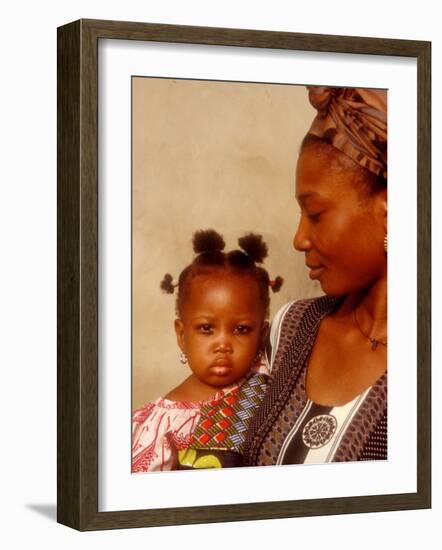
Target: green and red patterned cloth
[(219, 437)]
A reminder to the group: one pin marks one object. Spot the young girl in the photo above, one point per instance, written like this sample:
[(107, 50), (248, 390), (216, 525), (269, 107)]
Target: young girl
[(222, 309)]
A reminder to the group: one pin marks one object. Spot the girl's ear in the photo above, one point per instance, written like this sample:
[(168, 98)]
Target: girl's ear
[(264, 334), (179, 331)]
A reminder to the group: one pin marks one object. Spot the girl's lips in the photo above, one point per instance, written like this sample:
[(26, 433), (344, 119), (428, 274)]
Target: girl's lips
[(220, 369)]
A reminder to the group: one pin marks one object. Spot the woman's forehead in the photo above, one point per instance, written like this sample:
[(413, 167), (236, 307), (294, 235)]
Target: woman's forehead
[(322, 173)]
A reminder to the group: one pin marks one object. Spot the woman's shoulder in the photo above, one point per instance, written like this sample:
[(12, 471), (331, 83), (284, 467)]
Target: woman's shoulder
[(289, 318), (300, 305), (293, 311)]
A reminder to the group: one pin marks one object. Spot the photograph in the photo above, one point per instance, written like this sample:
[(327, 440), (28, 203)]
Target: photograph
[(259, 291)]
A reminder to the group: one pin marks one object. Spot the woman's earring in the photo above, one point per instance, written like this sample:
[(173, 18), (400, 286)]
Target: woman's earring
[(183, 358), (386, 242)]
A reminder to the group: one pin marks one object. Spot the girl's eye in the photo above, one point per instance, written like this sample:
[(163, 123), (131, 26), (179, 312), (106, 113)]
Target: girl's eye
[(242, 329), (205, 329)]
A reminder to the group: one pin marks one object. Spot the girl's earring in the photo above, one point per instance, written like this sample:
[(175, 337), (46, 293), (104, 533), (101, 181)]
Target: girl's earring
[(183, 358), (385, 242), (258, 358)]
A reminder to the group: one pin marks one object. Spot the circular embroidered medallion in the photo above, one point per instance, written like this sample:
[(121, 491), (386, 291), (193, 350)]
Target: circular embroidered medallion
[(319, 430)]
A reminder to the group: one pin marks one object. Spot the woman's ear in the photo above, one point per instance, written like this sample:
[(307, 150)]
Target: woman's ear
[(383, 205), (386, 211), (179, 331)]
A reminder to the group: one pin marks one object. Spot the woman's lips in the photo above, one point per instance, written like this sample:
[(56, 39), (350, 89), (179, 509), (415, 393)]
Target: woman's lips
[(315, 271)]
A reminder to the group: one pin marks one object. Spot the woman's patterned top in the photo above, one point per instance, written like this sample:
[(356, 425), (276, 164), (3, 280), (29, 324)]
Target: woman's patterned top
[(281, 425)]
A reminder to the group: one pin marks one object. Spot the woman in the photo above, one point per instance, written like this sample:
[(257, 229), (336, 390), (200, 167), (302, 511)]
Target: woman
[(328, 399)]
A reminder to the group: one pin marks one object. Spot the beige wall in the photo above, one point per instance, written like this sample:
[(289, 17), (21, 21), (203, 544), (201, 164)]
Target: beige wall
[(208, 154)]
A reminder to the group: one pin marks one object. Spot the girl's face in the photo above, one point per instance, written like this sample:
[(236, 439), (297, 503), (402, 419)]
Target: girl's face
[(222, 327), (341, 230)]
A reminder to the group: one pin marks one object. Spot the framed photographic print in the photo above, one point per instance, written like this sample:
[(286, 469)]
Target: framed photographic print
[(165, 131)]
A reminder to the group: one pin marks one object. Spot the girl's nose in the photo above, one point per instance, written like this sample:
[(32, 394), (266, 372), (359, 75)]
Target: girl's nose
[(301, 240), (223, 345)]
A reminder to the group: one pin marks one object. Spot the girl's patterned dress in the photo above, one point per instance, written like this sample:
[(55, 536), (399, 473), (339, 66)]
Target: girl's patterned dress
[(163, 428)]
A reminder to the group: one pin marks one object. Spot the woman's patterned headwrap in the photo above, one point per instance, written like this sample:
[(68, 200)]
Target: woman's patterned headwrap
[(354, 120)]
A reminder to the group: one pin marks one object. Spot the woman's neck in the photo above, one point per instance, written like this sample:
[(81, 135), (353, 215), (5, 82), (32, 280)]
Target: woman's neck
[(373, 302), (370, 305)]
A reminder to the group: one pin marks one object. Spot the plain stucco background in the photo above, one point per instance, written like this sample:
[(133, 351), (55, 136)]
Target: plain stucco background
[(208, 154)]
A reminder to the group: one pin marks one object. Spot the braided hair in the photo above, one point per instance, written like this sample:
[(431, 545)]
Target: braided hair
[(211, 258)]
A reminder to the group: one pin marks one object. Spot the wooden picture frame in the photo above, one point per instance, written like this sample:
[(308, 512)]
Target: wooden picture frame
[(77, 224)]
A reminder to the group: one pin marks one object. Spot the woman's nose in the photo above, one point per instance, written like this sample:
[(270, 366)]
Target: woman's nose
[(301, 239)]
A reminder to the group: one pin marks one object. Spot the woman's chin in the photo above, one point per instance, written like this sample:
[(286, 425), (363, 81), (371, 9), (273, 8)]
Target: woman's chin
[(333, 290)]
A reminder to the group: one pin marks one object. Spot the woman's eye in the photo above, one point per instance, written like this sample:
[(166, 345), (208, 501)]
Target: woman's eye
[(314, 217)]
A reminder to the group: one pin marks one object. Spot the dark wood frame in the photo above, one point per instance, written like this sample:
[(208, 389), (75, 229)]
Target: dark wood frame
[(77, 225)]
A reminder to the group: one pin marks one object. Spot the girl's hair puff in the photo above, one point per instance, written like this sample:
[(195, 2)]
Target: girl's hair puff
[(167, 285), (211, 258)]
